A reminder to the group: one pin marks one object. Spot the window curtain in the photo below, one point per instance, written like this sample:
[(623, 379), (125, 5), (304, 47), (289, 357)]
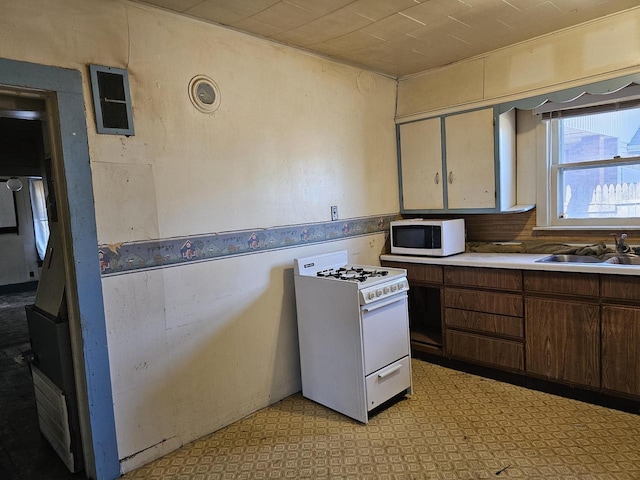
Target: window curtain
[(39, 209)]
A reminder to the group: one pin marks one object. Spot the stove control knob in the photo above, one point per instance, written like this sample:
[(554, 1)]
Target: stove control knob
[(378, 293), (370, 295), (400, 285), (394, 287), (386, 290)]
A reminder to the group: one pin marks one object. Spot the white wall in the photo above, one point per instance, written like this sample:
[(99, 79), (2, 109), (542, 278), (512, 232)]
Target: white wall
[(195, 347), (18, 256)]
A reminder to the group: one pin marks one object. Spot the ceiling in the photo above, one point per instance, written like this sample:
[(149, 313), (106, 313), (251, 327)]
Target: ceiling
[(396, 37)]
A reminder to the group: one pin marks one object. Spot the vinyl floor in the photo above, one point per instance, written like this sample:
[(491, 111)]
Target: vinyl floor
[(454, 426)]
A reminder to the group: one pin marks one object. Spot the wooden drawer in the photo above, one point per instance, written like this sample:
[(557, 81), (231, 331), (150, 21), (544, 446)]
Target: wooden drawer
[(484, 322), (621, 287), (419, 272), (489, 351), (484, 277), (562, 283), (487, 302)]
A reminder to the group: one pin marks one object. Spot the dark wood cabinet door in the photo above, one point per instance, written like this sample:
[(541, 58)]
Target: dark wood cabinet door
[(621, 349), (494, 278), (562, 283), (563, 341)]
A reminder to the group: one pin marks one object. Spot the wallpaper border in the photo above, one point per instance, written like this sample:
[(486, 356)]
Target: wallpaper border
[(133, 256)]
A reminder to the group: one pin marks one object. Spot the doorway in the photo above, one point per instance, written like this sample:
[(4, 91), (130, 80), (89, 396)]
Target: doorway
[(61, 90)]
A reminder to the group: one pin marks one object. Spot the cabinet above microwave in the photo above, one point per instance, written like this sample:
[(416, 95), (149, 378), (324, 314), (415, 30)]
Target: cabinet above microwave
[(459, 163)]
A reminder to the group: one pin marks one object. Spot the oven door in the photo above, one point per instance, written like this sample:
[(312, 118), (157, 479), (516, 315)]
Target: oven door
[(385, 332)]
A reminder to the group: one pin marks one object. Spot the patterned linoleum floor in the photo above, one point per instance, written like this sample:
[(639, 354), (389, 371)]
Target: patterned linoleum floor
[(455, 426)]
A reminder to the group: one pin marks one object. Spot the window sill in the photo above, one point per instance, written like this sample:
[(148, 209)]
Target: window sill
[(556, 228)]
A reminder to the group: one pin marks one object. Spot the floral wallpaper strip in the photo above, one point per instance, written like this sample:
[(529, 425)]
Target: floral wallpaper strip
[(127, 257)]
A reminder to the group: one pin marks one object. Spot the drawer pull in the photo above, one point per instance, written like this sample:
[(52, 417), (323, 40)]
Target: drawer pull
[(390, 371)]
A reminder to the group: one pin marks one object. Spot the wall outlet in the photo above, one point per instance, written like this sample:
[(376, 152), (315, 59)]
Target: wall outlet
[(334, 212)]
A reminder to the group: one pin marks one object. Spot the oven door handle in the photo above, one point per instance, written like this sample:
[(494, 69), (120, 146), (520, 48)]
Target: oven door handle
[(375, 306)]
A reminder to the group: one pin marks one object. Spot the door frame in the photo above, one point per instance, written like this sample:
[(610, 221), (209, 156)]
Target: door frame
[(62, 90)]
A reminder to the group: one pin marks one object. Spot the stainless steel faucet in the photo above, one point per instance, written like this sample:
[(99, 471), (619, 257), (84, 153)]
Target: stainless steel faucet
[(620, 246)]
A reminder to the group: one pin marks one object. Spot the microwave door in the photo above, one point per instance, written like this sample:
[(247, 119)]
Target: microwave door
[(418, 236)]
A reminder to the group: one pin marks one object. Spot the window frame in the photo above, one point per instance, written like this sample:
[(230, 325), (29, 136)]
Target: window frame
[(549, 182)]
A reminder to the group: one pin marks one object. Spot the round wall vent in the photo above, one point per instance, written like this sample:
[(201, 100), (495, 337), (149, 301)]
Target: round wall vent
[(204, 94)]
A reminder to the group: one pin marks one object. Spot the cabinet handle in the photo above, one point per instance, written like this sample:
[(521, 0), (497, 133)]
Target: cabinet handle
[(450, 177), (437, 178)]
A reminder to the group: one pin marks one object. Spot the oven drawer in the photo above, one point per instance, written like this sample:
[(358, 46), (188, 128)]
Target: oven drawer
[(388, 382)]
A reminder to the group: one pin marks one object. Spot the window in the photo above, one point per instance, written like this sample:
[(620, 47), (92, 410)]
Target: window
[(593, 165)]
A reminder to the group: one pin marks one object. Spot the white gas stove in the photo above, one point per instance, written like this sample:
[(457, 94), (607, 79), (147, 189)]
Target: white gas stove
[(353, 330), (373, 283)]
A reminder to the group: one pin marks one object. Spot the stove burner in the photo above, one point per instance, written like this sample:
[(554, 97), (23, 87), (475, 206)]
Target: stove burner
[(352, 273)]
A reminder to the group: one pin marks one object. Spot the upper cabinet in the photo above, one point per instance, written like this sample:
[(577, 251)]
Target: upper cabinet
[(463, 163), (421, 165)]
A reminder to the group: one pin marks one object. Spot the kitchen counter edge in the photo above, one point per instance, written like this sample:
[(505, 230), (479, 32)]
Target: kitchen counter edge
[(519, 261)]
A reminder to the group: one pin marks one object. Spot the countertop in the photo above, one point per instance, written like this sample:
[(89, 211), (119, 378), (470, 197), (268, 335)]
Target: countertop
[(520, 261)]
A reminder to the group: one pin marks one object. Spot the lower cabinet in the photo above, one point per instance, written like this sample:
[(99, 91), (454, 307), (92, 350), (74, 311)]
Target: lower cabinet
[(425, 307), (563, 341), (621, 349), (573, 328), (483, 316)]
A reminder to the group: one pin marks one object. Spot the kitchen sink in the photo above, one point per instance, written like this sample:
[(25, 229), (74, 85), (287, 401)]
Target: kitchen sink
[(615, 260), (624, 260), (565, 258)]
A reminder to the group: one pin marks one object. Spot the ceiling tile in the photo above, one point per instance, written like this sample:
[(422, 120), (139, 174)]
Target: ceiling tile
[(376, 10), (286, 16), (521, 22), (484, 12), (433, 33), (302, 36), (397, 37), (258, 28), (226, 12), (322, 7), (352, 42), (175, 5), (333, 25), (524, 4), (436, 10), (392, 26)]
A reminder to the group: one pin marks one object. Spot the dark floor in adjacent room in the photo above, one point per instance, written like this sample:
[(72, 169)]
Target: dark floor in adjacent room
[(24, 453)]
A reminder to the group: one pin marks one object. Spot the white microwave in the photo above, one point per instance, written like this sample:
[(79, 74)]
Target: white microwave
[(437, 238)]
